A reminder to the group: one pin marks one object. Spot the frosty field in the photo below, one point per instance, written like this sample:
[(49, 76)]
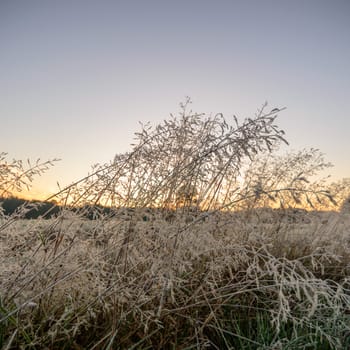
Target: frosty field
[(182, 249), (171, 281)]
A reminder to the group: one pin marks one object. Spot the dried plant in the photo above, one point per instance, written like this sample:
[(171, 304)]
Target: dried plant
[(290, 180), (175, 264), (15, 175), (192, 160), (201, 162)]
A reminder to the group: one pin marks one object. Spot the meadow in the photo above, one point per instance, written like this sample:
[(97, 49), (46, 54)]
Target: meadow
[(214, 242)]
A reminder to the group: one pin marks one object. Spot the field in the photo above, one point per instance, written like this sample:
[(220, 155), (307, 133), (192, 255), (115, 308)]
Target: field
[(260, 279), (189, 254)]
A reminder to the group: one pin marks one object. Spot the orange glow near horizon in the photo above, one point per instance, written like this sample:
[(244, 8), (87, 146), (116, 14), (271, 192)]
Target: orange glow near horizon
[(32, 195), (39, 192), (44, 196)]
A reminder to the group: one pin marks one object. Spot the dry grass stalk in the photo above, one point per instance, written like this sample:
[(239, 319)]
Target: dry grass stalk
[(173, 266)]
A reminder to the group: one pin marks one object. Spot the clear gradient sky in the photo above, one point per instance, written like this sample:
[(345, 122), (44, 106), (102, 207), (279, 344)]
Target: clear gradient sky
[(77, 76)]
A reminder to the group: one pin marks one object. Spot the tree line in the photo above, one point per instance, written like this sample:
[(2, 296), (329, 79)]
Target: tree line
[(34, 209)]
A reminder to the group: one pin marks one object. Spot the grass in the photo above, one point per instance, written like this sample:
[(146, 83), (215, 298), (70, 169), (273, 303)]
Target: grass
[(86, 287), (188, 258)]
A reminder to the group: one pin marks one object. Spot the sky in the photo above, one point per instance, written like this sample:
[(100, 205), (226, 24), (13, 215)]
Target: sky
[(76, 77)]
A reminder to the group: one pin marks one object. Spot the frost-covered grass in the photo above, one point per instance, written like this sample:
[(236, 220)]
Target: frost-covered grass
[(208, 268), (228, 280)]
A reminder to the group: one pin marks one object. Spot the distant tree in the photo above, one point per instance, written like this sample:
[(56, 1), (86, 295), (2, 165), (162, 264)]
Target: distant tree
[(10, 205), (29, 209)]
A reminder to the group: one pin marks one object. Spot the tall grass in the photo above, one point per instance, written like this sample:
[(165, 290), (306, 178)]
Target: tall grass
[(188, 259)]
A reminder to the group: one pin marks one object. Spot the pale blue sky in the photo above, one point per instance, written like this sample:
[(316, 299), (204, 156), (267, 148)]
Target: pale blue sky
[(77, 76)]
